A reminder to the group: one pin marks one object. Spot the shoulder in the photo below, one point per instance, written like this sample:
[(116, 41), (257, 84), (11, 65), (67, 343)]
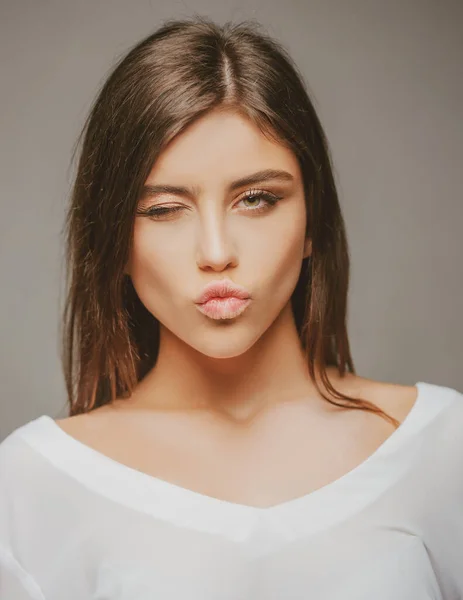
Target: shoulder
[(395, 399), (17, 455), (20, 480), (399, 400), (427, 401), (13, 446), (86, 427)]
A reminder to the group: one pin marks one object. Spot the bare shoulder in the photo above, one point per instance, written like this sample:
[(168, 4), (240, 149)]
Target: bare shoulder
[(395, 399), (105, 431), (84, 424)]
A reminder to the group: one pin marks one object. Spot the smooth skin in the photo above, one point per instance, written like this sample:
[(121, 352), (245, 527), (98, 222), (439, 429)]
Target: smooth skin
[(229, 410)]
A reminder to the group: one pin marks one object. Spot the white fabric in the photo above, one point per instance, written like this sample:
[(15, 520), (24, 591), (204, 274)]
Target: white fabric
[(77, 525)]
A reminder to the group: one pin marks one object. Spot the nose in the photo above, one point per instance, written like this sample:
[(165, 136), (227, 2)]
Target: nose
[(215, 248)]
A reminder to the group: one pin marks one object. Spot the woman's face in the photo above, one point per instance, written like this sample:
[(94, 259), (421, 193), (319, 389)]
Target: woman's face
[(250, 233)]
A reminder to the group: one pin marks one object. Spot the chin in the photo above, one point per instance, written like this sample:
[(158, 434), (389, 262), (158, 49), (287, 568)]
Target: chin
[(224, 345)]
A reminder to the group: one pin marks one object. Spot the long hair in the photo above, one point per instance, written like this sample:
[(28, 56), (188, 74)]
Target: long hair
[(161, 86)]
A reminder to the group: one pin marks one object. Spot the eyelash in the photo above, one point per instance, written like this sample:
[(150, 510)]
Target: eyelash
[(155, 212)]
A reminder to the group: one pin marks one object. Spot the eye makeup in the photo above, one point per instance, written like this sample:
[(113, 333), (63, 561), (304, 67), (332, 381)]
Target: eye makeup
[(266, 200)]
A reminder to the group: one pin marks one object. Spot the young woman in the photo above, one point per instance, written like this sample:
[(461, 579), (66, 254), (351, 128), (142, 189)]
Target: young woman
[(219, 444)]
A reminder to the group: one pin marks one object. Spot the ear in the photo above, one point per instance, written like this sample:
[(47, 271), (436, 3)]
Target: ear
[(307, 247)]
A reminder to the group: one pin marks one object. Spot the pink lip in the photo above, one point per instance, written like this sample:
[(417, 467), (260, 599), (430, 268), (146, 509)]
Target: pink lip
[(223, 299), (223, 288)]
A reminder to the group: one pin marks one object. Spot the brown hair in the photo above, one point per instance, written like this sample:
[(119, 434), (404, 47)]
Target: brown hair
[(165, 82)]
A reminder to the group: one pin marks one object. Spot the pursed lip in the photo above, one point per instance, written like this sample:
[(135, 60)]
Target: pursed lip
[(222, 288)]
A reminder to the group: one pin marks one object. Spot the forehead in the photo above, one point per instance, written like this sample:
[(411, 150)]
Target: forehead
[(220, 146)]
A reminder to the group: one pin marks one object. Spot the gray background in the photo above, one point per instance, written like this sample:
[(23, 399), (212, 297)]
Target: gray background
[(386, 79)]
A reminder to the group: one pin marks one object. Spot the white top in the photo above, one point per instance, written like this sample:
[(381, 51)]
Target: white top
[(77, 525)]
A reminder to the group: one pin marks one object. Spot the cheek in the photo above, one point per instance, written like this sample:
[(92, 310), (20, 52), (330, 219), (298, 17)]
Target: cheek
[(274, 253), (157, 270)]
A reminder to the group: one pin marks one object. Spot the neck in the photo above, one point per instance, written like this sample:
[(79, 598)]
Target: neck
[(272, 371)]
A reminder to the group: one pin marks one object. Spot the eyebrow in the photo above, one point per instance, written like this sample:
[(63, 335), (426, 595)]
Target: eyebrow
[(259, 177)]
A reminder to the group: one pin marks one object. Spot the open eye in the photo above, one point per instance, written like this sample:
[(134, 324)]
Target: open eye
[(256, 197)]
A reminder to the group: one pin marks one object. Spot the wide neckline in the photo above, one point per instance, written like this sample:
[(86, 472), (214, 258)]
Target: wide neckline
[(173, 502)]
